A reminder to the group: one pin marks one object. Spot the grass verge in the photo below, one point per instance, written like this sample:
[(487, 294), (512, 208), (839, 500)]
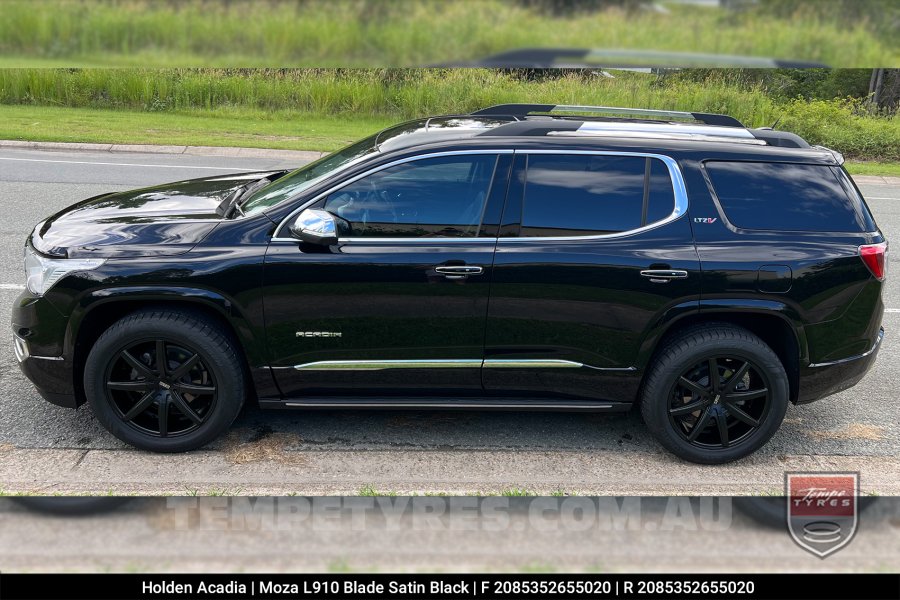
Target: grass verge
[(884, 169), (284, 130), (241, 128)]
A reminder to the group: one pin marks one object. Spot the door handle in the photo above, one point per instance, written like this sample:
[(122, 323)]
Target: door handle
[(458, 271), (663, 275)]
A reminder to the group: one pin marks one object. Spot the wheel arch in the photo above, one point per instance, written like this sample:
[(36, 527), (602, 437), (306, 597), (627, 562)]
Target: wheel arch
[(772, 324), (96, 313)]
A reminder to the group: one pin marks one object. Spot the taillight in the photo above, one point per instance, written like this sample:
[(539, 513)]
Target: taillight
[(874, 257)]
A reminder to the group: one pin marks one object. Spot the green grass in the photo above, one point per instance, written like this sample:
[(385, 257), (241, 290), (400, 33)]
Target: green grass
[(396, 93), (324, 109), (249, 129), (873, 168), (370, 491), (407, 32)]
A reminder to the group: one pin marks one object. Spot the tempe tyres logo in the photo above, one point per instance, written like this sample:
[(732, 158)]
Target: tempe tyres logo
[(822, 510)]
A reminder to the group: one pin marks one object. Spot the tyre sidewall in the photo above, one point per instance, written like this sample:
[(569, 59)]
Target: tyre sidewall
[(655, 400), (182, 330)]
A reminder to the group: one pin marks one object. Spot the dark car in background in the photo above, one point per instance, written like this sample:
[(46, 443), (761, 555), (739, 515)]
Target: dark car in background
[(524, 257)]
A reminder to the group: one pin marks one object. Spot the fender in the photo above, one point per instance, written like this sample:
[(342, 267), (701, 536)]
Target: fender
[(664, 322), (251, 341), (782, 310), (676, 315)]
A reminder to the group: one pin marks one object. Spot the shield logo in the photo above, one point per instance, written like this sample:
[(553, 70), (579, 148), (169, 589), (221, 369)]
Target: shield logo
[(822, 510)]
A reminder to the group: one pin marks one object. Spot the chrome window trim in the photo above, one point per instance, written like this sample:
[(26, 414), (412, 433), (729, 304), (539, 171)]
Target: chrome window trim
[(675, 176), (678, 186), (374, 170)]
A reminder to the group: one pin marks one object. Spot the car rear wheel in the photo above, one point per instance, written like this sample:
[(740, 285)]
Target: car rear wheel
[(714, 394), (165, 380)]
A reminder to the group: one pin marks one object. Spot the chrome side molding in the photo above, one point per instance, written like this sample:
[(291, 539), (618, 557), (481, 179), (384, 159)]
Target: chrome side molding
[(377, 365), (491, 363), (502, 363), (852, 358)]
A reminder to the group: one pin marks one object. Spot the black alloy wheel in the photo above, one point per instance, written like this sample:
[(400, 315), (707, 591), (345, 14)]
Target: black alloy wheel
[(160, 387), (166, 380), (719, 402), (714, 393)]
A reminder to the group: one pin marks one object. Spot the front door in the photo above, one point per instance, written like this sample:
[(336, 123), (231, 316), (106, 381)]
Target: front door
[(595, 248), (398, 306)]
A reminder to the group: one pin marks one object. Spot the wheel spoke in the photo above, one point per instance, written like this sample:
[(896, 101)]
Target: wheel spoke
[(161, 357), (142, 369), (184, 368), (197, 390), (185, 408), (695, 387), (163, 416), (722, 425), (689, 407), (741, 396), (713, 375), (700, 425), (736, 378), (740, 415), (140, 406), (129, 386)]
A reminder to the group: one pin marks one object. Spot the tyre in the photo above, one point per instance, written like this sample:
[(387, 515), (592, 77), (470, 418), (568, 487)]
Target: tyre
[(715, 393), (165, 380)]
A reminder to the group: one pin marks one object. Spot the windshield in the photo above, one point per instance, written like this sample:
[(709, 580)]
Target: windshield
[(295, 182)]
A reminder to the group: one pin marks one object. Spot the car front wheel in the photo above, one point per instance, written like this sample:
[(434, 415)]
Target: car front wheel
[(165, 380), (715, 393)]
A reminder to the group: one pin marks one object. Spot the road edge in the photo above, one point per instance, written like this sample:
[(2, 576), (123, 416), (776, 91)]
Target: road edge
[(227, 151)]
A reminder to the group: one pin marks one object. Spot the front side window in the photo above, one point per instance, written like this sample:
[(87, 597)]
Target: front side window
[(433, 197), (306, 176), (587, 194)]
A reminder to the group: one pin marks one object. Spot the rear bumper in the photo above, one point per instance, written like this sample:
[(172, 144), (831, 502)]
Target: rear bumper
[(824, 379)]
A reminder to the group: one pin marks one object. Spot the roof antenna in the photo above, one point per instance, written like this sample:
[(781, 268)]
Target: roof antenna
[(777, 121)]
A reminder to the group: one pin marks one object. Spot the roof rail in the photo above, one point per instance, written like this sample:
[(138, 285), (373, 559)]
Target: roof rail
[(523, 110)]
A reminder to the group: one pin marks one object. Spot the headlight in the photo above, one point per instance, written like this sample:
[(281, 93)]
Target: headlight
[(42, 272)]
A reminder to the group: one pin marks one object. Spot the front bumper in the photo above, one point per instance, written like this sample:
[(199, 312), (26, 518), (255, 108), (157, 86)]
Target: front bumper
[(820, 380), (39, 333)]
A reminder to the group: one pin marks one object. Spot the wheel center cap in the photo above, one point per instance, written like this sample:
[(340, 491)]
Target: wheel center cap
[(715, 400), (166, 386)]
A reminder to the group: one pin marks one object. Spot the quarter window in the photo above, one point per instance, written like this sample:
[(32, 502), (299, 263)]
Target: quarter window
[(588, 194), (787, 197), (432, 197)]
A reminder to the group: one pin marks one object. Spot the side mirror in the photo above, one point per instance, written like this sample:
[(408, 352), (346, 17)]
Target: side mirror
[(316, 226)]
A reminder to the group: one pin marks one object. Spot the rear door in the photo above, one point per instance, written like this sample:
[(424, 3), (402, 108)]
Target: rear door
[(594, 250), (398, 306)]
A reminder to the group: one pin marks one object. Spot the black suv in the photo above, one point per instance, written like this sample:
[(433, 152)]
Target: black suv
[(521, 257)]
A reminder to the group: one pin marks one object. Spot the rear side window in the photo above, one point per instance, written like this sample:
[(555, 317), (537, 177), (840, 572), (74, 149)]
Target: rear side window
[(786, 197), (585, 194)]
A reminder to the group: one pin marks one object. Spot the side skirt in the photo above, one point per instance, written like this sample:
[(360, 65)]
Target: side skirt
[(462, 403)]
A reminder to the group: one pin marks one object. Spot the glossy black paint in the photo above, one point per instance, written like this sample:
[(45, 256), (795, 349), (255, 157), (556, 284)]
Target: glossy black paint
[(581, 301), (164, 220)]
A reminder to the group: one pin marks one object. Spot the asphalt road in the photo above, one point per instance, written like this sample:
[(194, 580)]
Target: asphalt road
[(45, 448)]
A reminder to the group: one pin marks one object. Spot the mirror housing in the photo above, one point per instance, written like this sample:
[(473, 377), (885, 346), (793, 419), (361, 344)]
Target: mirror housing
[(316, 226)]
